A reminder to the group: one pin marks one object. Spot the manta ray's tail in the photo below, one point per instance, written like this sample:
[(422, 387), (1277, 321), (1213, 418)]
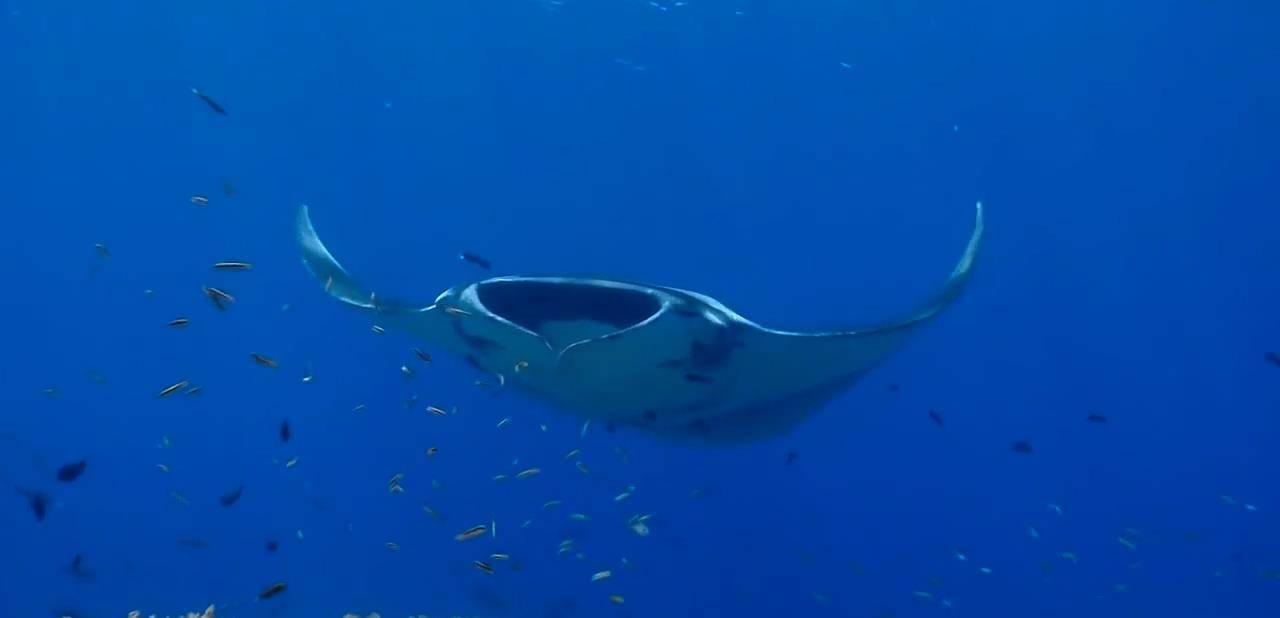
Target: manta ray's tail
[(322, 264)]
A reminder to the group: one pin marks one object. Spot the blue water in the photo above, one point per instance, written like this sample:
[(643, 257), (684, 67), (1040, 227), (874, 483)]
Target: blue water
[(1125, 152)]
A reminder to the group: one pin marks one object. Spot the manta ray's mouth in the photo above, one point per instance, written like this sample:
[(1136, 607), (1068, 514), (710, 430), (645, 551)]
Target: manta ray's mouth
[(543, 305)]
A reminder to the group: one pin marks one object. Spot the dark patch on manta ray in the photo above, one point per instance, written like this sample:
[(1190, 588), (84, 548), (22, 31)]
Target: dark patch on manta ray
[(532, 304)]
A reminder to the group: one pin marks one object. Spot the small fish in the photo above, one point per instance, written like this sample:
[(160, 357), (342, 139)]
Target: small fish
[(585, 424), (1096, 418), (601, 575), (228, 189), (616, 599), (937, 418), (1055, 508), (406, 371), (921, 594), (272, 590), (72, 471), (77, 569), (199, 200), (473, 532), (162, 467), (1022, 446), (378, 330), (286, 432), (422, 356), (472, 258), (194, 390), (1066, 555), (791, 457), (169, 390), (178, 322), (578, 517), (430, 511), (1273, 358), (436, 411), (504, 422), (1127, 543), (483, 566), (265, 361), (96, 377), (177, 496), (232, 496), (431, 451), (493, 527), (582, 467), (1031, 530), (359, 407), (219, 298), (291, 463), (233, 266), (571, 454), (213, 105), (38, 501), (524, 474), (551, 504), (456, 311), (625, 494), (499, 556), (393, 546), (521, 366), (271, 546)]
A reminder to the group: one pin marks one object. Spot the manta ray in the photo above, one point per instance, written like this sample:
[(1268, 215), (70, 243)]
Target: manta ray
[(675, 363)]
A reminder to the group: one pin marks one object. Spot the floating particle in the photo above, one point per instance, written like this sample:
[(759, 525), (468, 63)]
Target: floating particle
[(1228, 500), (233, 266), (585, 425), (392, 546), (272, 590), (1251, 508), (70, 472), (601, 575), (524, 474), (483, 566), (171, 389), (199, 200), (431, 451), (213, 105), (493, 528), (298, 533), (1096, 418), (1032, 532), (473, 532), (1127, 543), (102, 250), (1055, 508), (984, 570), (162, 467), (1066, 555), (263, 360), (472, 258), (181, 499), (430, 511), (639, 527)]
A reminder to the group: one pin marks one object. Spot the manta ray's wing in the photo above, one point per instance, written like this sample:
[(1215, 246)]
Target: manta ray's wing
[(326, 268), (775, 379)]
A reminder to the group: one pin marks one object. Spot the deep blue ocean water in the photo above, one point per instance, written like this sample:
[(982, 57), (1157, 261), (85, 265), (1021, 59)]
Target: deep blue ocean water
[(810, 164)]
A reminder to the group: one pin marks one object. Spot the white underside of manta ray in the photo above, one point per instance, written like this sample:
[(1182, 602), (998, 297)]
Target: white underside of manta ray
[(678, 364)]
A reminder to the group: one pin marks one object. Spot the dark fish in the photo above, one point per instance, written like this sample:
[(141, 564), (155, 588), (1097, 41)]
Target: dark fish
[(422, 356), (1022, 446), (38, 501), (1273, 358), (937, 418), (228, 189), (213, 105), (193, 543), (697, 377), (231, 497), (78, 570), (272, 590), (272, 546), (791, 457), (285, 431), (265, 361), (475, 259), (72, 471), (610, 427), (1096, 418), (893, 388)]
